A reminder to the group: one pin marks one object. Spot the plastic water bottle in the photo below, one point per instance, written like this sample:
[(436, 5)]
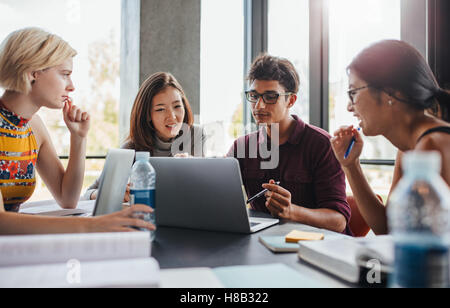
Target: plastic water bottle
[(142, 188), (418, 215)]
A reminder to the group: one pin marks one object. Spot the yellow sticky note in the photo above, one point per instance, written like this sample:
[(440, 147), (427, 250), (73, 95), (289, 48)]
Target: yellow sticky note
[(296, 236)]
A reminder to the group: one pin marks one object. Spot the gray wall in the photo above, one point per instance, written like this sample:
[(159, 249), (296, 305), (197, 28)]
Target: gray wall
[(167, 36)]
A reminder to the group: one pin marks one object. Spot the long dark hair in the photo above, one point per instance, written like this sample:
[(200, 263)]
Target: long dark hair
[(141, 129), (395, 66)]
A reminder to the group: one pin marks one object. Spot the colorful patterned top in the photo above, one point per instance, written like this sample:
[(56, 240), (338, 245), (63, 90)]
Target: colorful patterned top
[(18, 155)]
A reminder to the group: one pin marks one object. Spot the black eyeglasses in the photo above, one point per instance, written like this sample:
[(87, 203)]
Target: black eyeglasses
[(268, 98), (353, 92)]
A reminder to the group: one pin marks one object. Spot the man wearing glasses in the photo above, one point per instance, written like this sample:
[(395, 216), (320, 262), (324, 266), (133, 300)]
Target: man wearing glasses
[(312, 183)]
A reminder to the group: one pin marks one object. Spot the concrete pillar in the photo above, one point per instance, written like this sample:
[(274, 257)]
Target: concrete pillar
[(167, 36)]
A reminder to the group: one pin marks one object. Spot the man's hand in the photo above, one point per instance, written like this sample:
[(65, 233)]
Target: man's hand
[(278, 201)]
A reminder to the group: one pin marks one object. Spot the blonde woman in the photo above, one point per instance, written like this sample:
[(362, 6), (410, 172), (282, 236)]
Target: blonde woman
[(35, 71)]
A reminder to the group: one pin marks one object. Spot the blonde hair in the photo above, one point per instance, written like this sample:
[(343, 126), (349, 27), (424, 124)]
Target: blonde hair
[(29, 50)]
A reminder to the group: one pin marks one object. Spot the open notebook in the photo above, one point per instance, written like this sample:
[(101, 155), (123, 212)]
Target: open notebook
[(52, 208), (78, 260)]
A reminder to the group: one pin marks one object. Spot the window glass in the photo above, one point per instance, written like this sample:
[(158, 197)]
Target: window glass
[(288, 37), (380, 179), (354, 25), (222, 73), (92, 28)]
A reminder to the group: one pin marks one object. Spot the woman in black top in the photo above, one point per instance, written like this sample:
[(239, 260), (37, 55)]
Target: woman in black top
[(393, 93)]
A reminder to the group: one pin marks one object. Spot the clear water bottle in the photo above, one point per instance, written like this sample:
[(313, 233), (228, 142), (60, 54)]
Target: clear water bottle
[(142, 187), (418, 215)]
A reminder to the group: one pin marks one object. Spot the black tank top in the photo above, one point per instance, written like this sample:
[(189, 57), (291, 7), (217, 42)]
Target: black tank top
[(441, 129)]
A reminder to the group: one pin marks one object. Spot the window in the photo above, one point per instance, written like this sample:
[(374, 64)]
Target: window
[(222, 71), (321, 37), (93, 29), (354, 25), (288, 37), (379, 178)]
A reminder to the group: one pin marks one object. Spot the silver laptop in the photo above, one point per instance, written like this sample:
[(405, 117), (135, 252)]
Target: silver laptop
[(203, 193), (113, 181)]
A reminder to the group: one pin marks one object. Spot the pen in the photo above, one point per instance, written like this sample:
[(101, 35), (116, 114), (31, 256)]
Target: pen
[(350, 147), (260, 194)]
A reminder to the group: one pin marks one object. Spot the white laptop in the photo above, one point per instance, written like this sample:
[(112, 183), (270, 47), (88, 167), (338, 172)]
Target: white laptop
[(113, 181), (204, 194)]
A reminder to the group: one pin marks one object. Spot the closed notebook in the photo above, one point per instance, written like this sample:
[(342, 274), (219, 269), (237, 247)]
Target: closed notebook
[(278, 244)]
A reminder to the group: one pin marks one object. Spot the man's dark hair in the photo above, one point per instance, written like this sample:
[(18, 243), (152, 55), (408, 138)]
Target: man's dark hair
[(270, 68)]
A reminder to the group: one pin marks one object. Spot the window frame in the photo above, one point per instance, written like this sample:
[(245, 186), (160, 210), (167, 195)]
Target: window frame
[(414, 30), (256, 16)]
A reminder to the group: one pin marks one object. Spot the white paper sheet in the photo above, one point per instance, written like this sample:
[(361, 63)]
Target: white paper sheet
[(119, 273), (50, 249), (51, 208), (188, 278)]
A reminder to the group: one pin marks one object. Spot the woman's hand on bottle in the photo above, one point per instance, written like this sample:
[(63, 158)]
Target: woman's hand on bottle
[(341, 142), (123, 221), (77, 121)]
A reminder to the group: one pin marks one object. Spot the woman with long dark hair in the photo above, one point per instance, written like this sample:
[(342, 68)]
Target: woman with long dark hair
[(393, 93), (161, 123)]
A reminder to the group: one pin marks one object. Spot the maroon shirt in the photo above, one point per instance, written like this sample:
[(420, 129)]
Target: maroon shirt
[(307, 168)]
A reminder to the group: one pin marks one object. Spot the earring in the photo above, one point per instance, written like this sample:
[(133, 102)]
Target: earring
[(390, 103)]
